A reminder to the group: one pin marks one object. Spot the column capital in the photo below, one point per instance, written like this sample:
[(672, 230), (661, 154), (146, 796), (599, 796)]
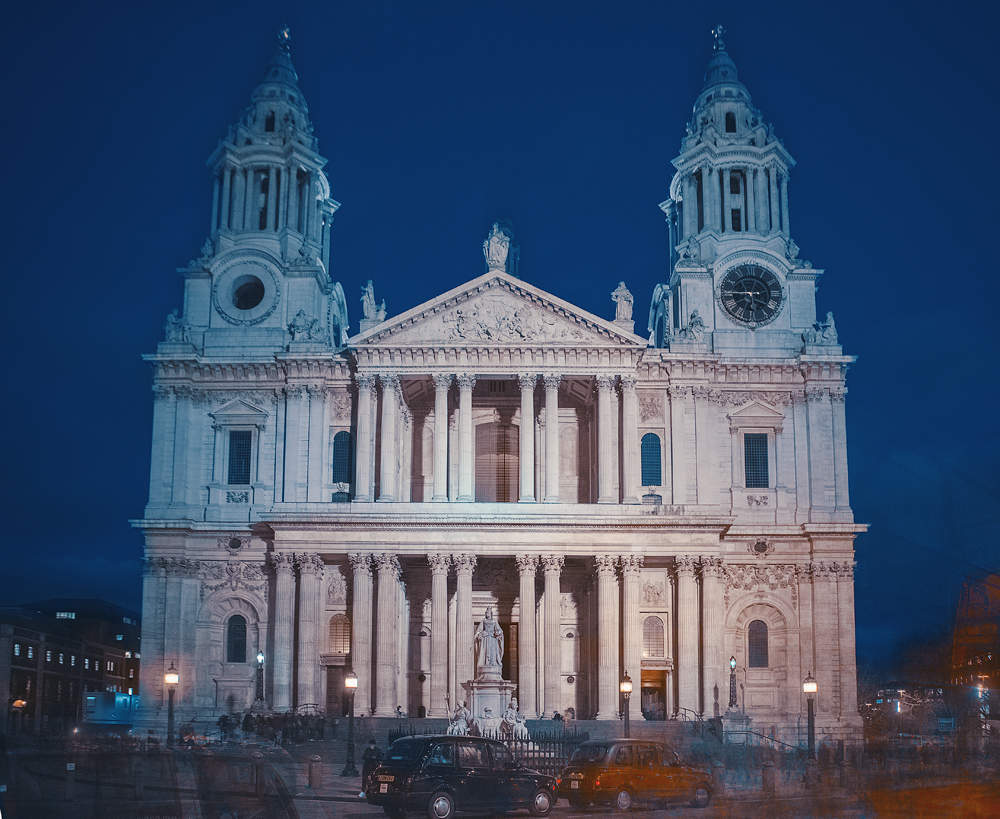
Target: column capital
[(526, 564), (309, 564), (629, 381), (605, 564), (282, 562), (442, 381), (605, 383), (361, 562), (685, 566), (466, 381), (366, 381), (527, 381), (553, 563), (439, 563), (711, 567), (387, 562), (552, 381), (631, 564), (389, 380), (464, 563)]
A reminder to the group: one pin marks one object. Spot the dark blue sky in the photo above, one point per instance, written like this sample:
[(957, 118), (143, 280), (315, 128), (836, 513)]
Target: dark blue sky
[(440, 118)]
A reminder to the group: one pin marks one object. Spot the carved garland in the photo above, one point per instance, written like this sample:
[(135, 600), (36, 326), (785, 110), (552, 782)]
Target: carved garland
[(748, 578)]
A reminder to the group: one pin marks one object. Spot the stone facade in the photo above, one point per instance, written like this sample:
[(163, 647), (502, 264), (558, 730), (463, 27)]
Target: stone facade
[(650, 506)]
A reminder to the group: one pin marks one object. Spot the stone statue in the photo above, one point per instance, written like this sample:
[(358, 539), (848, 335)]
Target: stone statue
[(175, 328), (495, 249), (694, 330), (512, 722), (370, 310), (489, 644), (623, 303), (460, 720), (822, 332), (303, 327)]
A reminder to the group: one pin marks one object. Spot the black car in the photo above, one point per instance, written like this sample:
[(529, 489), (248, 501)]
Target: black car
[(439, 775)]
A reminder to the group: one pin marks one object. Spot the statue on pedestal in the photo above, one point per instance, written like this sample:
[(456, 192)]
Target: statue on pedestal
[(495, 249), (488, 642)]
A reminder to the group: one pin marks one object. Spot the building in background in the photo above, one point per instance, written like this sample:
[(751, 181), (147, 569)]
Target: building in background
[(643, 504), (975, 658), (53, 652)]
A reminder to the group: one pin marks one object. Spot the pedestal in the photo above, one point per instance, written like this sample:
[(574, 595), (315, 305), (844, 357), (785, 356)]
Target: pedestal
[(494, 694), (735, 726)]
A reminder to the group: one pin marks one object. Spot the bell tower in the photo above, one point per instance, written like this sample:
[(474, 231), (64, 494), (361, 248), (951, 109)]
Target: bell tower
[(733, 260), (265, 265)]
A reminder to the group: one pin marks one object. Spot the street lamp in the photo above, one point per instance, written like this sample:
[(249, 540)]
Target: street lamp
[(260, 676), (626, 689), (351, 684), (732, 682), (809, 688), (170, 679)]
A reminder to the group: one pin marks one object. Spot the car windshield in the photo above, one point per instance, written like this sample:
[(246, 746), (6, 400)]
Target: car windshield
[(589, 753), (404, 751)]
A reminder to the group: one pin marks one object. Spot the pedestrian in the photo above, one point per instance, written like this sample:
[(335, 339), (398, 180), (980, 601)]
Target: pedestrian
[(371, 756)]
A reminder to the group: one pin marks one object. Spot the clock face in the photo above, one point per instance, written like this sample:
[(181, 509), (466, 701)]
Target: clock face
[(751, 295)]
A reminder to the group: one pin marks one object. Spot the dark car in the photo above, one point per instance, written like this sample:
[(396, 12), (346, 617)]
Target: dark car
[(439, 775), (622, 771)]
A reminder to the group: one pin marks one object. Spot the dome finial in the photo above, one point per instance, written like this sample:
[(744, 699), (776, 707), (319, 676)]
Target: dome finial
[(284, 35), (717, 32)]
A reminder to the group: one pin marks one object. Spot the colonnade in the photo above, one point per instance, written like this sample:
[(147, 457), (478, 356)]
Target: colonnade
[(764, 208)]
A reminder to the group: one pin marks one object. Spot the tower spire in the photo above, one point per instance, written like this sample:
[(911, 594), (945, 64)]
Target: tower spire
[(717, 33)]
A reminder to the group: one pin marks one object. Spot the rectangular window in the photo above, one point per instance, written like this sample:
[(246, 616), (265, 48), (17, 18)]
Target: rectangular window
[(62, 658), (737, 220), (119, 637), (72, 660), (86, 663), (755, 460), (31, 652), (48, 656), (239, 456), (17, 649), (65, 615)]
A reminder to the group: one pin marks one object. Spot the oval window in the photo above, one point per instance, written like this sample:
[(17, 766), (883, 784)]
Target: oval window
[(248, 292)]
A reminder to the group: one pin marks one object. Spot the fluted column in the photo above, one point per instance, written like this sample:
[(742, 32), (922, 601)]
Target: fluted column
[(772, 190), (465, 384), (390, 411), (678, 443), (464, 666), (630, 444), (527, 653), (442, 383), (226, 193), (439, 635), (842, 497), (387, 624), (294, 399), (605, 439), (715, 694), (317, 444), (846, 630), (284, 605), (632, 627), (310, 571), (784, 205), (687, 634), (552, 438), (690, 206), (361, 630), (527, 443), (607, 643), (553, 633), (820, 448), (365, 454)]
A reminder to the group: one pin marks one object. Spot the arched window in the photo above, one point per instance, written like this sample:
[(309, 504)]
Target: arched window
[(340, 634), (730, 122), (236, 639), (343, 456), (269, 121), (652, 637), (757, 644), (651, 470)]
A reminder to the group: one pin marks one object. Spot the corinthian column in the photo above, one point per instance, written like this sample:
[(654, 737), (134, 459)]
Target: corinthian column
[(361, 631), (442, 383), (390, 411), (715, 677), (465, 384), (527, 441), (365, 455), (632, 627), (687, 635), (605, 439), (630, 442), (527, 653), (387, 624), (310, 571), (439, 635), (607, 642), (464, 667), (552, 439), (553, 633), (284, 603)]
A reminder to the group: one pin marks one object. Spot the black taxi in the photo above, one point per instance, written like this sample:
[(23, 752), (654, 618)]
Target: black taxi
[(437, 775)]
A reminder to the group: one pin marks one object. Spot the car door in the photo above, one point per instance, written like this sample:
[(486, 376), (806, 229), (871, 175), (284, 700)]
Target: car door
[(649, 771), (440, 769), (513, 788), (673, 775), (476, 785)]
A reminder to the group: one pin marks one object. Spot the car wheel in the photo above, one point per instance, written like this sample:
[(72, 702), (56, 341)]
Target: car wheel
[(441, 806), (622, 801), (541, 802), (701, 796), (394, 813)]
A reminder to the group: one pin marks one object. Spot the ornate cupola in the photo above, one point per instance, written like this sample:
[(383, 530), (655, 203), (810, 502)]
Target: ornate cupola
[(731, 253)]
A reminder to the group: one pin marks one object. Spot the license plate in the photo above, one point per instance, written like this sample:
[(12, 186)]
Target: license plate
[(574, 784), (383, 788)]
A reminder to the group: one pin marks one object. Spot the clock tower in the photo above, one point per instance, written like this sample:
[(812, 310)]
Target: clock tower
[(732, 256)]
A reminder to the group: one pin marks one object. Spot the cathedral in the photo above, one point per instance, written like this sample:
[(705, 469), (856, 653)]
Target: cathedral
[(669, 504)]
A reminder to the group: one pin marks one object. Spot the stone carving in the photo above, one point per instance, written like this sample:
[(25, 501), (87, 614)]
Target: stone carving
[(461, 720), (747, 578), (304, 327), (623, 302), (238, 497), (176, 328), (738, 398), (692, 250), (341, 406), (527, 563), (495, 319), (512, 723), (233, 574), (361, 563), (495, 249), (822, 332), (604, 564), (652, 593), (757, 500), (631, 564), (693, 331), (309, 564), (488, 641), (370, 310), (760, 547), (650, 406), (234, 542)]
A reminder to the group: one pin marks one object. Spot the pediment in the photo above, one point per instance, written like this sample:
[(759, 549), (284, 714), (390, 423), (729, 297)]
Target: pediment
[(496, 310), (239, 412), (756, 415)]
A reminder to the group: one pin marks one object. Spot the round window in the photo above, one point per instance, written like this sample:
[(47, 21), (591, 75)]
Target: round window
[(248, 292)]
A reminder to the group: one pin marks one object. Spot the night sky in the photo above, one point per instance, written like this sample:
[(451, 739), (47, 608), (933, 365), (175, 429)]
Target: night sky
[(440, 118)]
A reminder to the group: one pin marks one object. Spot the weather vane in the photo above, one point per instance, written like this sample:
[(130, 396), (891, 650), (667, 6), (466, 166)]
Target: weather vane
[(718, 31), (284, 35)]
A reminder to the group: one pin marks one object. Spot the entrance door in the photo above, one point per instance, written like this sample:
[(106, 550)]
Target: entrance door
[(337, 704)]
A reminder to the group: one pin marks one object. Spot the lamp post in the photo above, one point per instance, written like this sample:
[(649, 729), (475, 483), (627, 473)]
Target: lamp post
[(260, 676), (351, 684), (626, 689), (809, 688), (170, 679), (732, 682)]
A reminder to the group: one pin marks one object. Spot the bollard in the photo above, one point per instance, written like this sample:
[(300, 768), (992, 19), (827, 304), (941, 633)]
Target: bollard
[(315, 772), (812, 775), (717, 778), (138, 779), (70, 780), (767, 778), (258, 778)]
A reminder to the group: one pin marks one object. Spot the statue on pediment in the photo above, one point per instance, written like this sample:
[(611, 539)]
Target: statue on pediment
[(495, 249), (371, 311), (304, 327), (822, 332), (175, 328), (623, 302), (694, 330)]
